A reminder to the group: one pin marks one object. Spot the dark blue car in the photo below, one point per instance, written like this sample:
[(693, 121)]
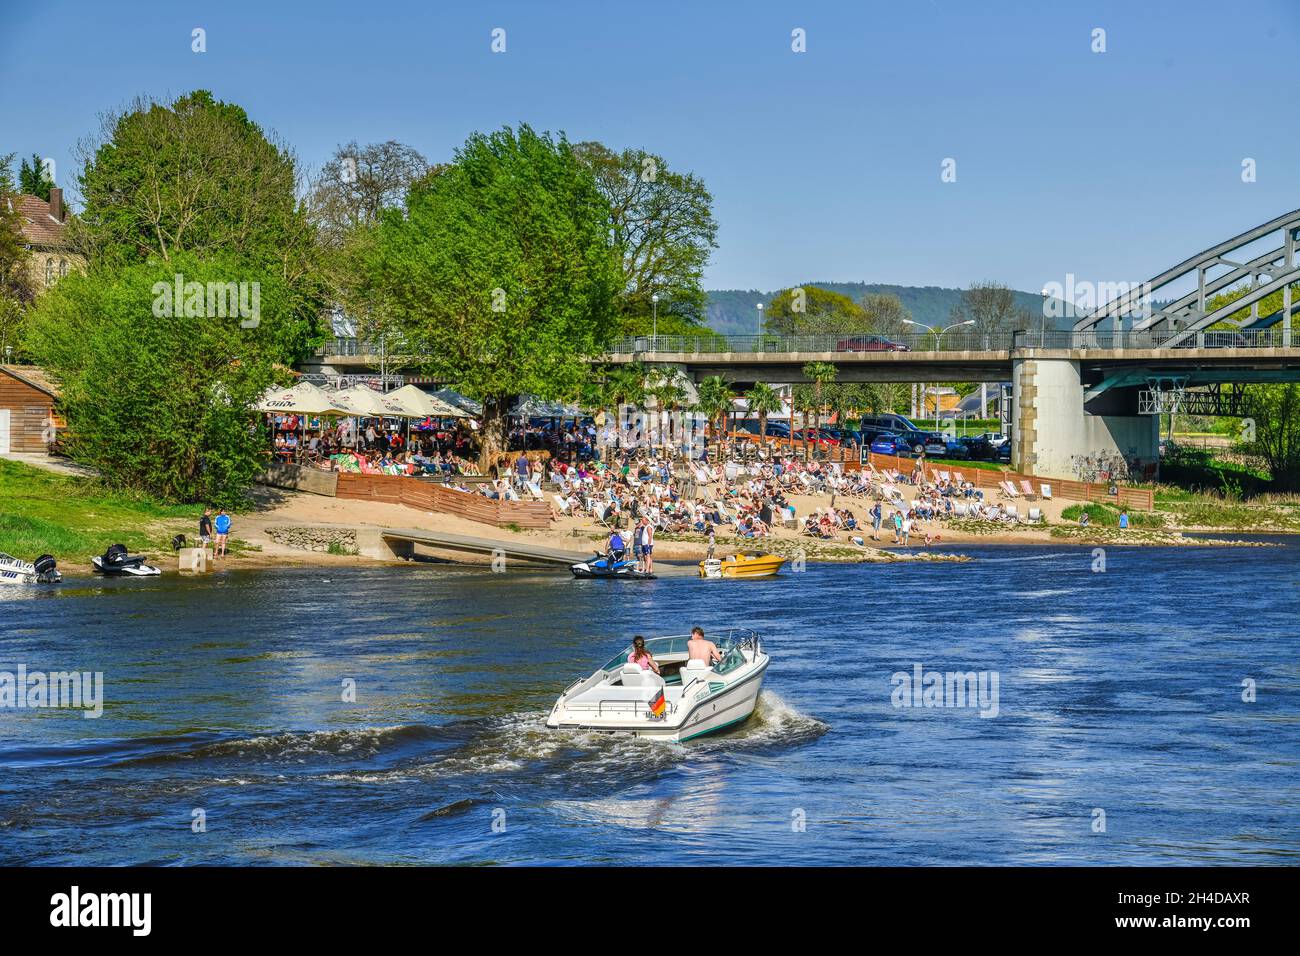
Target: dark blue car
[(891, 444)]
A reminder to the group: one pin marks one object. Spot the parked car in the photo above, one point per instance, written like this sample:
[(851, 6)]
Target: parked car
[(994, 438), (979, 448), (1004, 452), (895, 424), (890, 444), (957, 449), (932, 443), (818, 435), (869, 343)]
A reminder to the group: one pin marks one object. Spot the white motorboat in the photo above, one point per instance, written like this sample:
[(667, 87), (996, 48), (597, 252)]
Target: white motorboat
[(117, 561), (16, 571), (696, 699)]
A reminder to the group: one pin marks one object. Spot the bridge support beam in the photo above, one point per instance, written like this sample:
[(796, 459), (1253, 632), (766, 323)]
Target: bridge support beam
[(1052, 432)]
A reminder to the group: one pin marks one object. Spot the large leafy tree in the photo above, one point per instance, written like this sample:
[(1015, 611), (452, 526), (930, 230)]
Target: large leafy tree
[(809, 310), (662, 224), (501, 271), (160, 403), (197, 176)]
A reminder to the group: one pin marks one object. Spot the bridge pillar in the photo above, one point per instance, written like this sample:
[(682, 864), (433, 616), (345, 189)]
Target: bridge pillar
[(1053, 434)]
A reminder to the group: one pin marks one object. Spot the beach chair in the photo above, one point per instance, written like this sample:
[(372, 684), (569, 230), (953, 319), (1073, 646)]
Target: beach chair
[(943, 476), (1046, 492), (1012, 513), (1008, 489), (959, 509), (956, 476), (1035, 515), (535, 489), (563, 504), (1027, 490)]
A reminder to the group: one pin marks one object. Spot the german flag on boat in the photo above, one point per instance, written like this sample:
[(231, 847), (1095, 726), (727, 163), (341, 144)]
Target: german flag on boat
[(658, 705)]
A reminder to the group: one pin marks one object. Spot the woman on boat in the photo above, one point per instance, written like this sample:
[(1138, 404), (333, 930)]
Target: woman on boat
[(641, 656)]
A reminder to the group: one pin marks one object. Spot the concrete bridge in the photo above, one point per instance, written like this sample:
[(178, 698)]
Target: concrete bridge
[(1094, 391)]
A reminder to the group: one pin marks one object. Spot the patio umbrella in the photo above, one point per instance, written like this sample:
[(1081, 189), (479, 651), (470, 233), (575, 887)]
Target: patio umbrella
[(421, 404)]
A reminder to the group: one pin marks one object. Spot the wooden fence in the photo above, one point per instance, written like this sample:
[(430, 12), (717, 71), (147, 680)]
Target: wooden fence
[(396, 490), (983, 478)]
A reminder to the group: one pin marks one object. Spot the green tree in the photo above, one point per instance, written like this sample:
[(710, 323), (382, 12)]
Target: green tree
[(886, 315), (808, 310), (765, 401), (822, 375), (663, 228), (1275, 416), (16, 287), (715, 395), (32, 178), (161, 402), (501, 271)]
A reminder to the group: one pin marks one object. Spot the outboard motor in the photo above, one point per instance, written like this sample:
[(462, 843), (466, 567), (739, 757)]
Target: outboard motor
[(47, 570)]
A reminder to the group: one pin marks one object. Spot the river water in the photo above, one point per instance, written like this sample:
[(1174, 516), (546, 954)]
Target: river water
[(1121, 735)]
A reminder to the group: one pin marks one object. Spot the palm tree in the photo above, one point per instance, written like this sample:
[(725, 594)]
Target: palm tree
[(823, 376), (715, 396), (764, 400), (668, 386)]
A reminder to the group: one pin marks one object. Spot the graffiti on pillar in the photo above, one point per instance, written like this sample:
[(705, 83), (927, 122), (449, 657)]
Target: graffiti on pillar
[(1103, 466)]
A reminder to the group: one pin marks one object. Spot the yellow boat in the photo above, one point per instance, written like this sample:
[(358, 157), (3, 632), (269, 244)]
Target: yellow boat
[(742, 566)]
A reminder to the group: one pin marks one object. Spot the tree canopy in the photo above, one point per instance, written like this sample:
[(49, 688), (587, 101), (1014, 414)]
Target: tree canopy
[(808, 310), (501, 270), (662, 225)]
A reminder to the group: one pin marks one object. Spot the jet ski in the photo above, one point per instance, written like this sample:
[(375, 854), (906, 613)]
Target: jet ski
[(117, 561), (608, 566), (41, 571)]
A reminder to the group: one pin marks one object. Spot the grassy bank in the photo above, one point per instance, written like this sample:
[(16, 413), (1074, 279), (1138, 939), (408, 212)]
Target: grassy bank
[(73, 518)]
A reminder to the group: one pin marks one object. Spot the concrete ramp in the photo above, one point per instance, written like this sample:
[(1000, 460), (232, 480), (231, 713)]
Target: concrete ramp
[(389, 543)]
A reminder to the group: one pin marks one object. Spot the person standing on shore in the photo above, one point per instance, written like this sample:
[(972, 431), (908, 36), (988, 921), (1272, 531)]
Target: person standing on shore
[(205, 528), (876, 517), (221, 524)]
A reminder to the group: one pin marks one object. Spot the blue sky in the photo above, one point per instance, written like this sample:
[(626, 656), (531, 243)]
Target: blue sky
[(824, 165)]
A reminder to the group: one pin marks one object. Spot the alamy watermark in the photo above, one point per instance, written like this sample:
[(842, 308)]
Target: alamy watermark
[(922, 688), (1076, 298), (69, 690), (210, 300)]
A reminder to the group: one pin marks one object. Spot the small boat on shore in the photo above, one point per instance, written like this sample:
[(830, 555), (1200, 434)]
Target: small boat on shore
[(607, 566), (43, 570), (685, 700), (117, 561), (742, 566)]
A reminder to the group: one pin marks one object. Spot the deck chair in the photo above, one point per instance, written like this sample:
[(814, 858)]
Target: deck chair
[(1009, 489), (1012, 513), (535, 489), (1035, 515), (956, 476), (563, 504), (1027, 490), (1046, 492), (943, 476), (959, 509)]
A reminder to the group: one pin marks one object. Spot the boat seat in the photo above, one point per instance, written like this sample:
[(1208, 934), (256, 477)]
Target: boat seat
[(693, 669), (634, 676)]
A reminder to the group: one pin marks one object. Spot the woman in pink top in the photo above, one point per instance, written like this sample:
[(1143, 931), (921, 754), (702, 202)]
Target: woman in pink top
[(641, 656)]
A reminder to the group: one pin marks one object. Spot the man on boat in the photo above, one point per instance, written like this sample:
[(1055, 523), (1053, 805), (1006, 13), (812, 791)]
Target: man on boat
[(701, 649)]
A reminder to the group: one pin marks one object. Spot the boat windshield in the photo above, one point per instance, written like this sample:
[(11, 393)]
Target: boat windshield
[(662, 646)]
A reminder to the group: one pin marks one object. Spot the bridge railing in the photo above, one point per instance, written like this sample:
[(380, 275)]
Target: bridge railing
[(830, 342), (1276, 337)]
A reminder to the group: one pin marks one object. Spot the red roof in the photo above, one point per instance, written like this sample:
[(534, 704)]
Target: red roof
[(39, 227)]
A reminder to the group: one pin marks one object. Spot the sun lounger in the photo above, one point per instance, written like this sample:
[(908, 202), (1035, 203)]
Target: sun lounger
[(1027, 489), (1035, 514), (1046, 491), (956, 475), (1012, 513), (959, 509), (562, 503), (1008, 489)]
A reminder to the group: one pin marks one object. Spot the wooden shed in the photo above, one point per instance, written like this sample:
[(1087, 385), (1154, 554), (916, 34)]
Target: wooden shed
[(26, 409)]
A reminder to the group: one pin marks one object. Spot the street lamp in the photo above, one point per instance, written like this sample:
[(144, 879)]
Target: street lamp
[(938, 340), (654, 322)]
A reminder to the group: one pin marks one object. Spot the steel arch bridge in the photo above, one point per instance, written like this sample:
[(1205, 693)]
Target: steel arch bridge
[(1188, 314)]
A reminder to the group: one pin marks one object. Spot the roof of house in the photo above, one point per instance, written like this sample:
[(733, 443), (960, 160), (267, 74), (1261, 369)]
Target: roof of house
[(40, 228), (33, 376)]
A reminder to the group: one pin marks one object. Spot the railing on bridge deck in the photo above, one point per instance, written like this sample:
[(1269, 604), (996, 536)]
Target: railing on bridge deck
[(1276, 337)]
